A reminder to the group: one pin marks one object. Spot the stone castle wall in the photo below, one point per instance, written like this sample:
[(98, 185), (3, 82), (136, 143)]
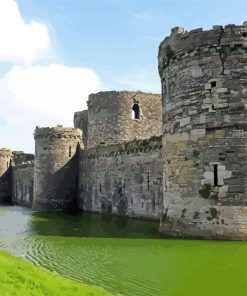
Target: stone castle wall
[(204, 84), (56, 168), (123, 179), (5, 175), (110, 117), (81, 122), (22, 178), (22, 184)]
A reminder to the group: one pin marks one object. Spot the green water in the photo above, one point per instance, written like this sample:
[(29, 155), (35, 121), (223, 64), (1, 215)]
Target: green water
[(124, 255)]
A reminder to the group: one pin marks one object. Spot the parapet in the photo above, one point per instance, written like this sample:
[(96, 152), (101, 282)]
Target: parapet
[(181, 42), (6, 153), (20, 157), (57, 132)]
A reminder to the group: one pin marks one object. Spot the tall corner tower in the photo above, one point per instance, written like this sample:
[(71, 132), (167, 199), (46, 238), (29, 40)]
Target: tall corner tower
[(56, 168), (204, 93)]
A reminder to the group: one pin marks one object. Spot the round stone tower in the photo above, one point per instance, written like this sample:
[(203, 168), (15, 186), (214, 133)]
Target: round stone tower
[(5, 174), (204, 93), (56, 168), (114, 117)]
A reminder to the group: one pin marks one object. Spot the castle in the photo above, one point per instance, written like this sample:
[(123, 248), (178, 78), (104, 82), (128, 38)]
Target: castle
[(180, 157)]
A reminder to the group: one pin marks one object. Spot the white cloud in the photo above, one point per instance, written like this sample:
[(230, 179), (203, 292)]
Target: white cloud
[(43, 96), (21, 42), (146, 80)]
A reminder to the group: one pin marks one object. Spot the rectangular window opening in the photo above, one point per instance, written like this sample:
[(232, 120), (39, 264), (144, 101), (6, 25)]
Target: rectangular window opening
[(215, 175)]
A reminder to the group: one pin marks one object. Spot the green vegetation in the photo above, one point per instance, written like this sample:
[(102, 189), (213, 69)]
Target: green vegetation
[(18, 277), (196, 215), (183, 213), (196, 153), (205, 191), (214, 213)]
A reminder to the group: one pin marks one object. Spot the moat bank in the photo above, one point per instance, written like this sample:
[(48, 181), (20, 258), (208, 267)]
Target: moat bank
[(124, 255), (19, 277)]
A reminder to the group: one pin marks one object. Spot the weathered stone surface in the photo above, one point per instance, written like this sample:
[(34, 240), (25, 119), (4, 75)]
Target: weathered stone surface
[(110, 117), (123, 179), (56, 168), (22, 183), (207, 197)]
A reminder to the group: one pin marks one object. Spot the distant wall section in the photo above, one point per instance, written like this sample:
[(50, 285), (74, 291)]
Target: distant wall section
[(22, 184), (123, 179), (5, 175)]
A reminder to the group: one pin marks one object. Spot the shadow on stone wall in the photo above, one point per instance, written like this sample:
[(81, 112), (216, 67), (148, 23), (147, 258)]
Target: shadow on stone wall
[(60, 190), (5, 186)]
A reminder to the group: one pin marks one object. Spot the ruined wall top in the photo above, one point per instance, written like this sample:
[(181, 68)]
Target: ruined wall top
[(181, 42), (19, 157), (4, 152), (57, 132)]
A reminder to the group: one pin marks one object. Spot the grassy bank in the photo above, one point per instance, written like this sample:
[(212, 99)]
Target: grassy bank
[(18, 277)]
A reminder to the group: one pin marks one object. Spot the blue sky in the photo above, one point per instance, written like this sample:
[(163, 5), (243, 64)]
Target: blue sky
[(85, 46)]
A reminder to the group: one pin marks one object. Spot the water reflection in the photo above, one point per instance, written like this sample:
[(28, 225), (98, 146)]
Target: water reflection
[(91, 225)]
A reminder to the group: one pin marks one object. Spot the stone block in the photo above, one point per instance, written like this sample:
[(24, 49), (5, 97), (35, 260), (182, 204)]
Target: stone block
[(184, 121)]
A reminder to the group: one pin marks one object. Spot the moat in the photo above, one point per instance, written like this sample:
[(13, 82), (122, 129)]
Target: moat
[(124, 255)]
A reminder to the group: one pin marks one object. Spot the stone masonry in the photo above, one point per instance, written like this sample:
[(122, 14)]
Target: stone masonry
[(110, 117), (56, 168), (204, 92)]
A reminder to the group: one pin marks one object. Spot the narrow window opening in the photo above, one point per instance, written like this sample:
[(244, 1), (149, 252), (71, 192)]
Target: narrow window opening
[(148, 180), (69, 151), (100, 188), (135, 111), (213, 84), (163, 86), (215, 175), (7, 164), (244, 34)]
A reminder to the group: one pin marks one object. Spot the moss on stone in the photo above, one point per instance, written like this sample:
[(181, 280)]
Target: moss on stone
[(214, 214), (205, 191), (196, 215), (183, 213), (196, 153)]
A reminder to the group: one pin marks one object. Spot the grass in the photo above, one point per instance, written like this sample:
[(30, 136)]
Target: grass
[(19, 277)]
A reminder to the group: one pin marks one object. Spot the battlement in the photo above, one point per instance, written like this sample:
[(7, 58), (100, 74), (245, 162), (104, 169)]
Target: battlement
[(57, 132), (5, 153), (25, 164), (182, 43), (134, 146)]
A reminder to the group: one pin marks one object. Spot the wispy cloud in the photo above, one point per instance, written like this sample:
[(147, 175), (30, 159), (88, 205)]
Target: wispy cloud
[(145, 17), (140, 79)]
